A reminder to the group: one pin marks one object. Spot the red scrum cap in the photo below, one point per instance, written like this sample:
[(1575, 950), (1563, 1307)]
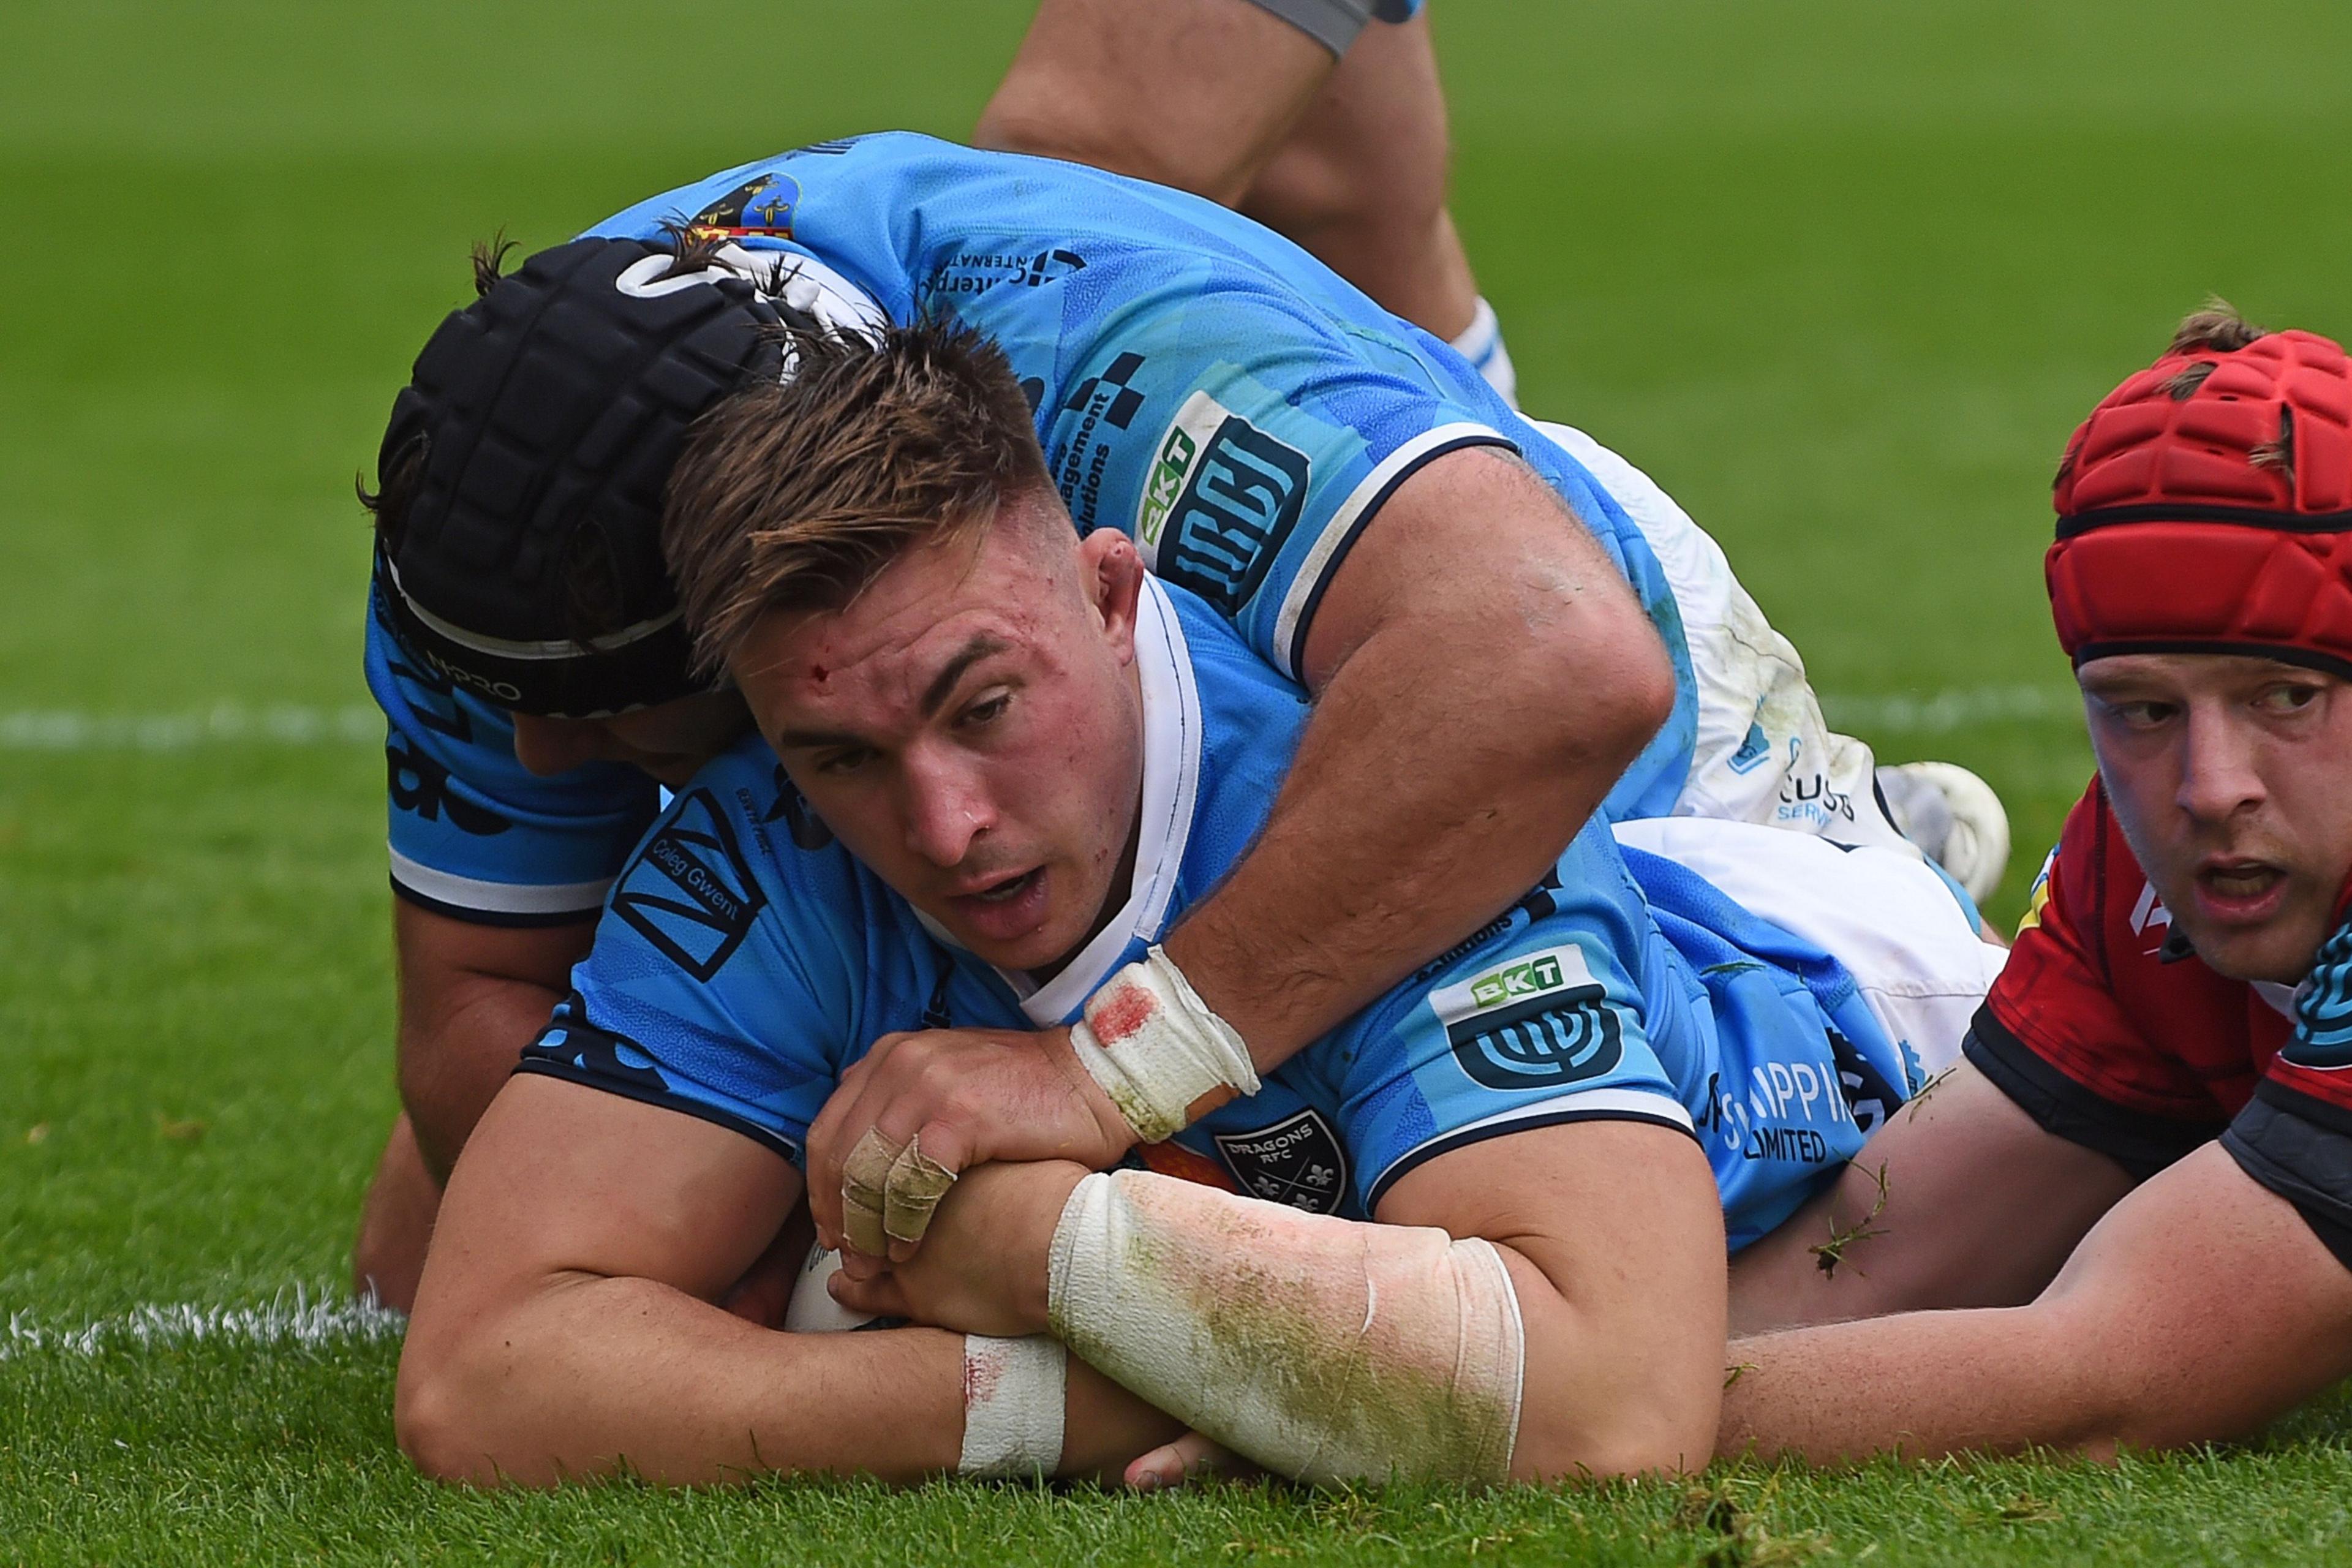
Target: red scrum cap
[(2206, 504)]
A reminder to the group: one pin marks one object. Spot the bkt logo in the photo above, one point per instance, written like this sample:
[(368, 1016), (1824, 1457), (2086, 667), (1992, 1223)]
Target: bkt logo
[(1538, 1022), (1241, 493), (1537, 974), (1165, 483)]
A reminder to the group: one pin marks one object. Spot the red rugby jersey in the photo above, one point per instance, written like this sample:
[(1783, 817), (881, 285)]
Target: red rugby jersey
[(2111, 1032)]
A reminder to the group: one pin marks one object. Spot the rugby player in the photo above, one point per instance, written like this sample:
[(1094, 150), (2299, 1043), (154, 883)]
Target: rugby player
[(1011, 761), (1321, 119), (2133, 1202), (1484, 677)]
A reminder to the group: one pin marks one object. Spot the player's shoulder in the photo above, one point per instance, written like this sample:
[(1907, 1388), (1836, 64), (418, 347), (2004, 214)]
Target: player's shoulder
[(738, 852), (2091, 891), (1236, 686), (761, 199)]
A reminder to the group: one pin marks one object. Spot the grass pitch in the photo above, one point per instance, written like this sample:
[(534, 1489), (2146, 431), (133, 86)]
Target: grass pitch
[(1842, 277)]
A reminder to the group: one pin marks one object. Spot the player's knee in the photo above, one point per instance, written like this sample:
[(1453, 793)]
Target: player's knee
[(442, 1095)]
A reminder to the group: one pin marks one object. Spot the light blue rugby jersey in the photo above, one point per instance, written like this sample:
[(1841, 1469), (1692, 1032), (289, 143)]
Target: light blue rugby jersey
[(745, 960), (1200, 383)]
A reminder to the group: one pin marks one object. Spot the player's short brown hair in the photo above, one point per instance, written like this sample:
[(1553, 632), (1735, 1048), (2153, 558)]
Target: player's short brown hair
[(796, 495)]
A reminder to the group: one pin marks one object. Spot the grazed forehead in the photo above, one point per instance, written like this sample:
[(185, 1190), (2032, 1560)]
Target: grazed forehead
[(897, 681)]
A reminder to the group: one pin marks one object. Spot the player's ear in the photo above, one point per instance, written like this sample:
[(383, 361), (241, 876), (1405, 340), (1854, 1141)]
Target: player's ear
[(1112, 576)]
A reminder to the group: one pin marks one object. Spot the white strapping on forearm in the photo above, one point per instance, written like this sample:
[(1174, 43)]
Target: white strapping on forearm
[(1321, 1348), (1013, 1396), (1156, 1047)]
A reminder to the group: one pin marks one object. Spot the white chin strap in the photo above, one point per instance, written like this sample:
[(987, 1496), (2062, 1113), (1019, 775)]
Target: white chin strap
[(1156, 1047), (1323, 1349)]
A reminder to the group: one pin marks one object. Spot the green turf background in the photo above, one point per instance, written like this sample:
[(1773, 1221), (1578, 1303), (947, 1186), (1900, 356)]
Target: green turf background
[(1842, 276)]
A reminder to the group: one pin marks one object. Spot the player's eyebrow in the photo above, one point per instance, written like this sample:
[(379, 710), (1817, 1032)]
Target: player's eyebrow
[(795, 740), (943, 684)]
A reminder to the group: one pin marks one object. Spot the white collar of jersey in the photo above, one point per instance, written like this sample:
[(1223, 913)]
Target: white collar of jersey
[(2282, 998), (1171, 786)]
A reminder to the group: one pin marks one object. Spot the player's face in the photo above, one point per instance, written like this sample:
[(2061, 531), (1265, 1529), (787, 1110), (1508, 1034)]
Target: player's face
[(671, 741), (972, 727), (2230, 777)]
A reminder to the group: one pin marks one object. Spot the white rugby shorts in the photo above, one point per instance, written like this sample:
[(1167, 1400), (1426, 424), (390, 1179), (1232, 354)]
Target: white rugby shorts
[(1764, 753), (1893, 923)]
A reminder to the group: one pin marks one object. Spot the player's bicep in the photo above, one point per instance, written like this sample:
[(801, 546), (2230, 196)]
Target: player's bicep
[(1473, 539), (1246, 445), (561, 1179), (1549, 1035), (473, 834), (443, 962)]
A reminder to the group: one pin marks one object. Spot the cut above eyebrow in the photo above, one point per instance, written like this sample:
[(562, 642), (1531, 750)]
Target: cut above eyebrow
[(941, 688), (943, 684)]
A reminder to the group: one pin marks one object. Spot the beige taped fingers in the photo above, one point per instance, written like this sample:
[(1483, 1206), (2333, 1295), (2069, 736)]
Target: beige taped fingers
[(1156, 1047), (1325, 1349), (888, 1193), (1014, 1392)]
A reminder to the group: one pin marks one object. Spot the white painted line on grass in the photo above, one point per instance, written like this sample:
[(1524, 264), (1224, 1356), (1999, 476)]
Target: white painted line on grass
[(293, 1317), (357, 724), (1945, 711), (224, 724)]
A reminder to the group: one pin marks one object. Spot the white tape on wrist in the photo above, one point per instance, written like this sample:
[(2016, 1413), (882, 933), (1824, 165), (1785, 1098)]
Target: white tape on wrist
[(1013, 1396), (1323, 1349), (1155, 1048)]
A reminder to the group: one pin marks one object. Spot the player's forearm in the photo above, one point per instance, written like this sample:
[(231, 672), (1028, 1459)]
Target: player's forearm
[(594, 1375), (471, 998), (590, 1375), (1444, 771), (1960, 1200), (1920, 1383)]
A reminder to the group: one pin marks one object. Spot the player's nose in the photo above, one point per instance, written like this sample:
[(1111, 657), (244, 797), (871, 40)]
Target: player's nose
[(2221, 772), (945, 811)]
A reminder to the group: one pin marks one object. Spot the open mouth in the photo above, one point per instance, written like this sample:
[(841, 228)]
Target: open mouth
[(2239, 890), (1005, 891), (1007, 910)]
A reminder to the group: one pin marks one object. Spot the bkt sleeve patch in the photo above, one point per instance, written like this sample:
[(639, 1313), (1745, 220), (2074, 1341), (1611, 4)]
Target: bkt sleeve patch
[(689, 891), (1222, 498), (1540, 1022)]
